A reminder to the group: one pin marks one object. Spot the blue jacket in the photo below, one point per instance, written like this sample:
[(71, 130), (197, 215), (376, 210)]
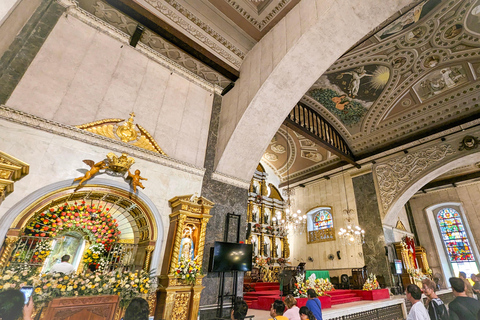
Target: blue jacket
[(315, 306)]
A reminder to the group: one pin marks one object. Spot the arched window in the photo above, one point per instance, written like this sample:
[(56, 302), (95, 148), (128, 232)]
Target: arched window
[(322, 219), (320, 225), (456, 241)]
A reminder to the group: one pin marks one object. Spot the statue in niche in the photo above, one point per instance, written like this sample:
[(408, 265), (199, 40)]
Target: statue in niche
[(254, 214), (255, 249), (266, 249), (187, 245), (278, 251), (265, 218)]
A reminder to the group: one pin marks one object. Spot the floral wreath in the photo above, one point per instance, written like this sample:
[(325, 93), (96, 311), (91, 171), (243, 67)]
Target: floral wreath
[(94, 221)]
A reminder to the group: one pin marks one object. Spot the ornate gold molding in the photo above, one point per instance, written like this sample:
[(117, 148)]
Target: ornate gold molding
[(148, 255), (11, 169), (7, 250), (322, 235), (126, 132)]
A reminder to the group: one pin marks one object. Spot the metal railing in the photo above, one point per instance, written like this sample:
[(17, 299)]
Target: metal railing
[(34, 253)]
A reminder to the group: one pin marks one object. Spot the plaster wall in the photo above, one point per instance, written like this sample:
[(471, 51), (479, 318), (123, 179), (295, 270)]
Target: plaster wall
[(54, 158), (468, 195), (82, 75), (326, 193)]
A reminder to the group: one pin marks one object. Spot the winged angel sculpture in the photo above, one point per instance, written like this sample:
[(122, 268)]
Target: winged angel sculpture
[(94, 169)]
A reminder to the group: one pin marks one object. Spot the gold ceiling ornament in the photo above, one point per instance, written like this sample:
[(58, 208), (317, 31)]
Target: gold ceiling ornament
[(119, 164), (127, 132)]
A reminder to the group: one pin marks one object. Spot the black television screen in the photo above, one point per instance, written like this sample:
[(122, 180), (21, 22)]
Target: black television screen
[(231, 256), (398, 266)]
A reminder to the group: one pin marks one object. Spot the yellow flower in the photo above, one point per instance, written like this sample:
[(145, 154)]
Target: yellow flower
[(38, 290)]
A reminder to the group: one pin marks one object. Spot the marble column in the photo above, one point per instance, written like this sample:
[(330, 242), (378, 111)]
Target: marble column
[(16, 60), (227, 199), (370, 220)]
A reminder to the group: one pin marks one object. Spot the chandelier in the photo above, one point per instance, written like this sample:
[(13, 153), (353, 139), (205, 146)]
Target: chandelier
[(352, 234), (293, 220)]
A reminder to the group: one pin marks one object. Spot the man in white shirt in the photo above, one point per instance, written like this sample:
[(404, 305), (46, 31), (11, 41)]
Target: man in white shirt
[(418, 311), (63, 267)]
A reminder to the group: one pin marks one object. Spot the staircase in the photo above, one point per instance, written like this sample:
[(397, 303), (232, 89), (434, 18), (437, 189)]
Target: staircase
[(343, 296), (264, 295)]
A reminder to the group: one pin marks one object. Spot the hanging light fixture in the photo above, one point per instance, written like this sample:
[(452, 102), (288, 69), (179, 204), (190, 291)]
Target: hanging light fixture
[(293, 220), (352, 234)]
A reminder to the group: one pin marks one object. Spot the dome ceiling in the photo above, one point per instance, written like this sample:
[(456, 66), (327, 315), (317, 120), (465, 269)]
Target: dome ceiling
[(416, 76)]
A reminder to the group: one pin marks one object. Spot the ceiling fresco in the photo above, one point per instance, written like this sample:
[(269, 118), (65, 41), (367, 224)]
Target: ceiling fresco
[(419, 72)]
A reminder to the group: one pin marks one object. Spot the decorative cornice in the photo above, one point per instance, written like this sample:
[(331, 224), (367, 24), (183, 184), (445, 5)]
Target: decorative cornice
[(89, 19), (397, 174), (221, 177), (260, 25), (72, 132), (185, 25)]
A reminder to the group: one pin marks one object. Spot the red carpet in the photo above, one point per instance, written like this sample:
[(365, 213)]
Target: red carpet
[(266, 293)]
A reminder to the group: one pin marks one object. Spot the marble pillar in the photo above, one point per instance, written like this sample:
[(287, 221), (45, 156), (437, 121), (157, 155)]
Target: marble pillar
[(227, 199), (16, 60), (369, 219)]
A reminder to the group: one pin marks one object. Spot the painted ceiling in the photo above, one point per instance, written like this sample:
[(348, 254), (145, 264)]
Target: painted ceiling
[(418, 73)]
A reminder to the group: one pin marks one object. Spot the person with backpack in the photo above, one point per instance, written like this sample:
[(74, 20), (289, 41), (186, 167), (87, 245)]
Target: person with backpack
[(435, 306)]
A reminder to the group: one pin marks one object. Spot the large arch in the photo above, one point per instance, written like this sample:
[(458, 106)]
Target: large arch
[(278, 71), (17, 215), (391, 215)]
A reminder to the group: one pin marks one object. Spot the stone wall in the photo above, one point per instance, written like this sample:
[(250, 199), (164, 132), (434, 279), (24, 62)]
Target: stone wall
[(370, 220), (227, 199)]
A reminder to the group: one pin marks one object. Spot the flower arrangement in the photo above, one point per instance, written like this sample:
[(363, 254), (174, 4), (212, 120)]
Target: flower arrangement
[(269, 229), (429, 271), (94, 254), (371, 283), (281, 261), (41, 252), (269, 261), (319, 285), (187, 270), (127, 285), (260, 262), (416, 274), (97, 222), (257, 228), (300, 291)]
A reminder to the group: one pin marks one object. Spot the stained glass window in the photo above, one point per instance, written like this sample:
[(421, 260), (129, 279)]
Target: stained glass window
[(322, 219), (456, 240)]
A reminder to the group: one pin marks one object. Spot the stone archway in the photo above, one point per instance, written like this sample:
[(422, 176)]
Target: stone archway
[(278, 71), (143, 220), (391, 215)]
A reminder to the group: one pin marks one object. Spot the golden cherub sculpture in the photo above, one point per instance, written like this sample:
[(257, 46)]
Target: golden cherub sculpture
[(136, 180), (94, 169)]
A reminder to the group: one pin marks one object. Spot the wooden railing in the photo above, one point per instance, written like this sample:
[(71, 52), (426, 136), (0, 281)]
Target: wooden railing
[(314, 126)]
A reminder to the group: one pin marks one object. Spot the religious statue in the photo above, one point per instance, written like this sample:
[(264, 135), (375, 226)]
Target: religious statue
[(94, 169), (265, 218), (254, 214), (187, 246), (265, 249), (254, 243), (136, 180)]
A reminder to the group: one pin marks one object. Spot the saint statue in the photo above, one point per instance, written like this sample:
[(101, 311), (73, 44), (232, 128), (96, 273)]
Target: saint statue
[(187, 246), (265, 249), (265, 218)]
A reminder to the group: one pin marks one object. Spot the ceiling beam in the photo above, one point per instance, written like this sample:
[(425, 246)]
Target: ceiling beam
[(450, 181), (174, 36)]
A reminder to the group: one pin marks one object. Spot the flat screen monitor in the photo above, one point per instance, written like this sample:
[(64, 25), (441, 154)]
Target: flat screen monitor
[(398, 266), (231, 256)]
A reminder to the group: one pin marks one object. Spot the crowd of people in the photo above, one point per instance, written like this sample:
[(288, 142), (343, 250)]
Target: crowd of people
[(464, 306)]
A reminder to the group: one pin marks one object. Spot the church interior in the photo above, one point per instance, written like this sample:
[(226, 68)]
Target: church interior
[(190, 152)]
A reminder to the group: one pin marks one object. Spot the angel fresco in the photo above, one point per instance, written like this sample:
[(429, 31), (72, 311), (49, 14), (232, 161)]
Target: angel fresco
[(94, 169)]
